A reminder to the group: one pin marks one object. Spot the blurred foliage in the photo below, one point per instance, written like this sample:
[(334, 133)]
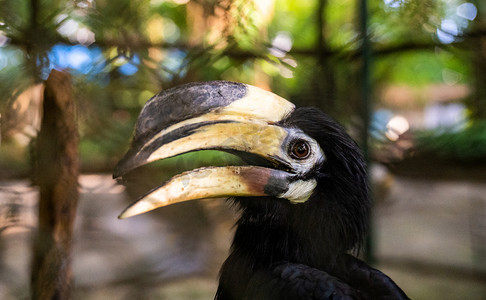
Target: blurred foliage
[(467, 145), (421, 68), (120, 53)]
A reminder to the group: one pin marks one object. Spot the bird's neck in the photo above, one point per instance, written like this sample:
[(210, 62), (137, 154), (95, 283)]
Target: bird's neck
[(275, 234), (265, 245), (266, 236)]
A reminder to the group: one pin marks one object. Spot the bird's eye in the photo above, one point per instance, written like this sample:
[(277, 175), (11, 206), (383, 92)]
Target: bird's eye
[(299, 149)]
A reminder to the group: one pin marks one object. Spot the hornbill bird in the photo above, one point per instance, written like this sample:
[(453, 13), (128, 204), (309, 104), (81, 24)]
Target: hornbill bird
[(302, 191)]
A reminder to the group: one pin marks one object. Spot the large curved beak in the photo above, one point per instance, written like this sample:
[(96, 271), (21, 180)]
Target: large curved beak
[(215, 115)]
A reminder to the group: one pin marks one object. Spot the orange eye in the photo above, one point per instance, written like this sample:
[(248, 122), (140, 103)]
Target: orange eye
[(300, 150)]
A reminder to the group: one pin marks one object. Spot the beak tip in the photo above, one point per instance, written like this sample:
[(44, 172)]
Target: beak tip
[(131, 160), (119, 169), (126, 214), (139, 207), (123, 216)]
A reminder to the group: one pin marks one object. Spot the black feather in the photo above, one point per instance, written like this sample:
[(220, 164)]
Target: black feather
[(288, 251)]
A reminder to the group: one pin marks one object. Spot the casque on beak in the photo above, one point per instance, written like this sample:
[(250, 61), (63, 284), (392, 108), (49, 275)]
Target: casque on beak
[(216, 115)]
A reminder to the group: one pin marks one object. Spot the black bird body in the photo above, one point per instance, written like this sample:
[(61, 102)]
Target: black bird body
[(304, 200), (284, 251)]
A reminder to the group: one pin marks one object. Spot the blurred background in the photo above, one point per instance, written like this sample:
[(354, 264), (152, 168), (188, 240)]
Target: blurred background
[(406, 77)]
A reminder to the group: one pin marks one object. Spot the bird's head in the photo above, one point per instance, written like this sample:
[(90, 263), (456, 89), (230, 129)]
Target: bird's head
[(302, 166)]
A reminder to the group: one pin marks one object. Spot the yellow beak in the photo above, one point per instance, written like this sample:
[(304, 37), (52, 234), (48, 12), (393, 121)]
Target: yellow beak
[(215, 116)]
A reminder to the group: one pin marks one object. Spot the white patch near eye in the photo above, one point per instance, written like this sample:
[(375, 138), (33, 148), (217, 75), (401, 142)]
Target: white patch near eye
[(316, 155), (299, 191)]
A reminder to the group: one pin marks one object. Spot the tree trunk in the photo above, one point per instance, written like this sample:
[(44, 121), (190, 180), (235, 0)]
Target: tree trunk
[(56, 173)]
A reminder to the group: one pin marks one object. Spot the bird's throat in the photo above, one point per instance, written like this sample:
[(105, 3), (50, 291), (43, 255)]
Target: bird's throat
[(273, 234), (263, 239)]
